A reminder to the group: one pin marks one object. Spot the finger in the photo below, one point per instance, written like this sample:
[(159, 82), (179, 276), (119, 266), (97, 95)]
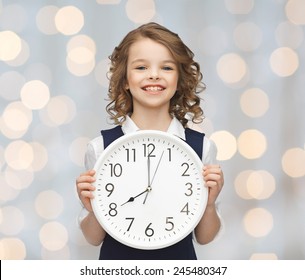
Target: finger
[(86, 194), (85, 186), (88, 173), (84, 178), (212, 169)]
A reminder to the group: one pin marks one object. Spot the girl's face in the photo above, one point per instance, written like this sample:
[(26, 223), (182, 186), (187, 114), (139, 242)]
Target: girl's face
[(152, 75)]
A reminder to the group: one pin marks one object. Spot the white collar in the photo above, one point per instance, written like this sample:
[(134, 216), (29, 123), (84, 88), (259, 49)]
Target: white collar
[(175, 127)]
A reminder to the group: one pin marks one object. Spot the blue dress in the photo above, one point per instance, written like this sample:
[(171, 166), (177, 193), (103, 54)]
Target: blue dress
[(182, 250)]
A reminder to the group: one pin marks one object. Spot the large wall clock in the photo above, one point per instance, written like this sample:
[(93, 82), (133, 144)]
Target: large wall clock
[(149, 192)]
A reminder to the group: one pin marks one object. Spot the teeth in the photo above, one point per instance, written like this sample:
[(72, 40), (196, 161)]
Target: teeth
[(153, 88)]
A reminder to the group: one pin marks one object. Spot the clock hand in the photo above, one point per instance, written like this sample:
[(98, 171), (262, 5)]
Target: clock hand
[(148, 170), (153, 177), (131, 199)]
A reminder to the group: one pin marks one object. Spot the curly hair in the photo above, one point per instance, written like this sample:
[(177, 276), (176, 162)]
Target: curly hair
[(185, 104)]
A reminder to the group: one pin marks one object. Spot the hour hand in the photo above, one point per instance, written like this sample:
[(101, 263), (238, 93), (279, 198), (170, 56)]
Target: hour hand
[(132, 198)]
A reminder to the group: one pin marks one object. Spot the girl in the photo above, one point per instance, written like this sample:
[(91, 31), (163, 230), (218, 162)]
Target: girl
[(154, 84)]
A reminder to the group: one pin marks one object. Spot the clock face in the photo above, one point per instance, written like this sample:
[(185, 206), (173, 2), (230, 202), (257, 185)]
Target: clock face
[(149, 192)]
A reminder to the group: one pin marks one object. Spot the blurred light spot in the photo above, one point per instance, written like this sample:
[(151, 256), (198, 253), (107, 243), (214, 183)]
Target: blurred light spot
[(252, 144), (11, 83), (106, 2), (226, 144), (19, 155), (53, 236), (17, 117), (293, 162), (81, 52), (260, 184), (69, 20), (12, 249), (231, 68), (140, 12), (80, 69), (12, 220), (80, 55), (49, 204), (60, 110), (22, 57), (284, 62), (77, 150), (35, 94), (45, 20), (10, 46), (18, 179), (239, 6), (289, 35), (17, 22), (254, 102), (247, 36), (101, 72), (258, 222), (263, 256), (40, 156), (295, 11), (213, 40), (81, 41), (240, 184)]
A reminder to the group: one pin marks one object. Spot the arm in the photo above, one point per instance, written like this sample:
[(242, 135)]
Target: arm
[(90, 227), (209, 224)]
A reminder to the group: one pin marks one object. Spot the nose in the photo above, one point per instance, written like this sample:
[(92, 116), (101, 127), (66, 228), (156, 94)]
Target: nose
[(154, 74)]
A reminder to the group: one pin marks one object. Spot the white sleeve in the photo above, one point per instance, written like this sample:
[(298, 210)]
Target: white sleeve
[(209, 156), (209, 152), (94, 148), (90, 157)]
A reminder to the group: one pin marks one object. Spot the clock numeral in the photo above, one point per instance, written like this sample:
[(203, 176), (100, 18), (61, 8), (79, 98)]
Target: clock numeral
[(115, 169), (131, 155), (186, 166), (109, 188), (149, 231), (112, 209), (169, 154), (185, 209), (169, 223), (149, 149), (190, 189), (131, 219)]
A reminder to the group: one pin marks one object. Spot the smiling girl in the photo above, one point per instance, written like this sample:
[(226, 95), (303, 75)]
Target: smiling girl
[(154, 84)]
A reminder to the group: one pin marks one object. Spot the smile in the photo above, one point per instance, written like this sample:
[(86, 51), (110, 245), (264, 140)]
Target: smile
[(153, 88)]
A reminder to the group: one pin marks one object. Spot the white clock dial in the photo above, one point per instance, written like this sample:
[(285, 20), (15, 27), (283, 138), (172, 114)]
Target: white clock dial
[(149, 192)]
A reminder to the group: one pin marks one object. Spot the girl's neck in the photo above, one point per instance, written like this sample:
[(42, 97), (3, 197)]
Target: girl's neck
[(152, 120)]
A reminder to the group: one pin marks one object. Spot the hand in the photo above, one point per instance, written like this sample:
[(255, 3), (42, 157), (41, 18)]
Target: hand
[(148, 177), (150, 183), (84, 188), (213, 177), (132, 198)]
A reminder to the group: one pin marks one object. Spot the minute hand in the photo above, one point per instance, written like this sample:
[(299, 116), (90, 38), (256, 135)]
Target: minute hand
[(153, 177)]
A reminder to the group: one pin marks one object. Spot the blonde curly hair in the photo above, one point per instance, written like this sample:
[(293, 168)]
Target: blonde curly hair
[(185, 104)]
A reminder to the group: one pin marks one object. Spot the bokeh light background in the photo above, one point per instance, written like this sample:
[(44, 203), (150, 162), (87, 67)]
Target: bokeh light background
[(53, 86)]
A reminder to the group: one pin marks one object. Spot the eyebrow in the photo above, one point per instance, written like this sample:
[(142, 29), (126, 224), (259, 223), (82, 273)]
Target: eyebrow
[(144, 60)]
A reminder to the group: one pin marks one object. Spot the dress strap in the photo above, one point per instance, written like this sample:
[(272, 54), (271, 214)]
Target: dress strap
[(109, 135), (195, 140)]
